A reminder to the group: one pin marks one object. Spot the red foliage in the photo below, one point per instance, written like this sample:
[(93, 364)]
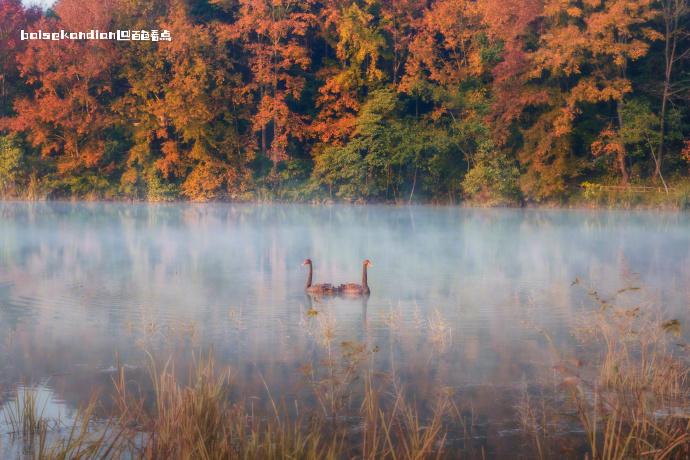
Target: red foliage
[(72, 79)]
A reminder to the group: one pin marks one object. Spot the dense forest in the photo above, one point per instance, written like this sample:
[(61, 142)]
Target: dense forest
[(493, 101)]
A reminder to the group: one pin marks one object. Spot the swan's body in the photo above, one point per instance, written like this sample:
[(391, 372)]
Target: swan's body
[(324, 289), (354, 289)]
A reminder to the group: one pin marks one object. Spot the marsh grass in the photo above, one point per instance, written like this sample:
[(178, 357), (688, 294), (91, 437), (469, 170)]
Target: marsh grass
[(45, 438), (592, 195), (24, 414), (197, 420), (629, 393), (637, 403)]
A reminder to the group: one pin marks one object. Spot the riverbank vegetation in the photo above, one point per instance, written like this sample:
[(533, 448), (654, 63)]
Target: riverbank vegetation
[(621, 391), (500, 102)]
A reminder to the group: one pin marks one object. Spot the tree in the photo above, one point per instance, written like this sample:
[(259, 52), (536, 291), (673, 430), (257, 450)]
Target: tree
[(359, 44), (446, 76), (513, 24), (11, 157), (584, 52), (274, 33), (68, 115), (13, 18), (445, 54), (182, 108), (674, 16)]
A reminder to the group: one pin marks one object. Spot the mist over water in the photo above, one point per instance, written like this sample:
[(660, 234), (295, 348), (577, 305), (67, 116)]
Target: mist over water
[(87, 287)]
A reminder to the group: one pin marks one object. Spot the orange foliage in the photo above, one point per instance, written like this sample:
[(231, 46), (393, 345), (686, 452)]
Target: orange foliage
[(67, 113), (685, 153), (442, 50), (602, 37), (273, 32), (358, 44), (181, 106), (609, 144)]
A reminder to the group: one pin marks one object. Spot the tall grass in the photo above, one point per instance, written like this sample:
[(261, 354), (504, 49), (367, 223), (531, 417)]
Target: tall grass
[(636, 400), (591, 195), (629, 391), (198, 420), (24, 414)]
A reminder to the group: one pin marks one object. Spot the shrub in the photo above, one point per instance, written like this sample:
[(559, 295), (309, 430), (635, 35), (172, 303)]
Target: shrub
[(11, 161), (493, 180)]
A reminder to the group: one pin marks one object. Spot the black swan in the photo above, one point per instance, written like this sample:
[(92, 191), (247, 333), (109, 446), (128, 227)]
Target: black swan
[(318, 289), (354, 289)]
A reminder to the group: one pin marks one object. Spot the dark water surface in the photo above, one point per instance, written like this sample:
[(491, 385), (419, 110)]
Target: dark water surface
[(459, 296)]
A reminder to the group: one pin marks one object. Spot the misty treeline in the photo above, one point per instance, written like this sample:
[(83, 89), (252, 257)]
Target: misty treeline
[(507, 101)]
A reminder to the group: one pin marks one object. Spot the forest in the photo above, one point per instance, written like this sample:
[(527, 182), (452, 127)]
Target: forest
[(507, 102)]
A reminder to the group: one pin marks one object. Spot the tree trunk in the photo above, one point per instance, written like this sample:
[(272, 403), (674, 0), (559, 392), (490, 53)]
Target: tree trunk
[(620, 156), (673, 13), (669, 52), (414, 183), (263, 140), (625, 179)]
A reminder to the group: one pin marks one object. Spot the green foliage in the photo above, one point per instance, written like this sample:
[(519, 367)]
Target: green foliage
[(158, 189), (493, 180), (640, 128), (362, 167), (11, 163)]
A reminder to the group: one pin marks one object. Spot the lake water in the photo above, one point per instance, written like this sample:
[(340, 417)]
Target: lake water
[(459, 298)]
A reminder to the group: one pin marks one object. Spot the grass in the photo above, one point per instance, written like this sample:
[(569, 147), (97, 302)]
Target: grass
[(199, 421), (627, 388), (634, 401), (24, 414), (623, 392), (591, 195)]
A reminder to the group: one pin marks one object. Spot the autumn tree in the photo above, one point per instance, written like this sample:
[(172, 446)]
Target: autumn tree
[(513, 24), (358, 41), (274, 34), (13, 18), (68, 115), (446, 76), (182, 108), (586, 48), (676, 50), (445, 54)]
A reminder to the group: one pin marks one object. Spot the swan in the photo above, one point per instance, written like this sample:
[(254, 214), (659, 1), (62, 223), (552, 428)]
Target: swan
[(318, 289), (354, 289)]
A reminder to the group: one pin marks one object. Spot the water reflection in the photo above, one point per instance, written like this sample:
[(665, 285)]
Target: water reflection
[(84, 287)]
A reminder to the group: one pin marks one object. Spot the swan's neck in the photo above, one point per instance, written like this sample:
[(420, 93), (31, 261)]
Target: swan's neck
[(365, 286), (309, 277)]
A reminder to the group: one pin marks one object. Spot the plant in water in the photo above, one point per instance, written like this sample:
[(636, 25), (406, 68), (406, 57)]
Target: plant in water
[(24, 414), (632, 398)]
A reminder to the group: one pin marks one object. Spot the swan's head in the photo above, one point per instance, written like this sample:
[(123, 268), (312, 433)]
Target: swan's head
[(306, 262), (367, 263)]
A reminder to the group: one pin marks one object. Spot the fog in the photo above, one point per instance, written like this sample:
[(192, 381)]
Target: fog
[(85, 287)]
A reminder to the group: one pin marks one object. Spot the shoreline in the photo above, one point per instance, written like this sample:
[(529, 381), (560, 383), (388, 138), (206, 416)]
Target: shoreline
[(578, 205)]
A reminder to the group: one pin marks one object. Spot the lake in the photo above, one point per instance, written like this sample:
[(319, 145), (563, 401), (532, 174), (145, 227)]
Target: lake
[(460, 298)]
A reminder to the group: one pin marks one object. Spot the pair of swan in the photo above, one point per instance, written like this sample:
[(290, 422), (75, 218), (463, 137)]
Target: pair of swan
[(348, 289)]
